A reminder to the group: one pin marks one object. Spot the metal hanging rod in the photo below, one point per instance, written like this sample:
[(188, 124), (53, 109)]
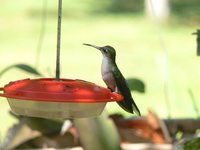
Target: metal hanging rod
[(58, 39)]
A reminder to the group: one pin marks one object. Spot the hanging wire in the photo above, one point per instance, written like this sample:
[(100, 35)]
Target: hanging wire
[(42, 33), (166, 63), (58, 39)]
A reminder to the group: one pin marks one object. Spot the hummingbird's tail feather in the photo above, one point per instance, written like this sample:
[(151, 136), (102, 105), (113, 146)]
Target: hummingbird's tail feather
[(126, 107), (129, 106), (135, 108)]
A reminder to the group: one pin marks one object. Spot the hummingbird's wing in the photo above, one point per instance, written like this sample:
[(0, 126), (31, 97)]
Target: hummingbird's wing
[(128, 103)]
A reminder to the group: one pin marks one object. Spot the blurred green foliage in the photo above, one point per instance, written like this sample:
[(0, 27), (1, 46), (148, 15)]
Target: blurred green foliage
[(181, 10), (23, 67), (193, 144), (136, 85), (187, 11), (121, 6)]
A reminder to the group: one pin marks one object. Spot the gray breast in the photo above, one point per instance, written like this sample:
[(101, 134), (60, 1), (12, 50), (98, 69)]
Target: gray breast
[(107, 75)]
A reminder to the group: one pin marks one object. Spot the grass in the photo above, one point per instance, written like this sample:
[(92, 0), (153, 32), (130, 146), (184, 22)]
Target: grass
[(134, 37)]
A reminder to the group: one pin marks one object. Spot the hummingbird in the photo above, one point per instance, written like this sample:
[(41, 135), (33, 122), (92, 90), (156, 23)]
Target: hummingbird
[(114, 79)]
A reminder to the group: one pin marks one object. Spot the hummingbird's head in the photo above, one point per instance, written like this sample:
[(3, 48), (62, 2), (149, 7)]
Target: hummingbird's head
[(107, 51)]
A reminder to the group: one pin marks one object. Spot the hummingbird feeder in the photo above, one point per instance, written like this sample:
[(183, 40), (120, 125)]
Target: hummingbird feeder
[(55, 97), (51, 98)]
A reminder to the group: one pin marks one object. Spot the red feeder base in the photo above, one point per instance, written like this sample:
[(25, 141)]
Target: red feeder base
[(51, 98)]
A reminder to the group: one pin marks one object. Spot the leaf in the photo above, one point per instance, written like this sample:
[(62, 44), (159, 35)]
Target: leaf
[(136, 85), (29, 128), (23, 67), (98, 133), (193, 144)]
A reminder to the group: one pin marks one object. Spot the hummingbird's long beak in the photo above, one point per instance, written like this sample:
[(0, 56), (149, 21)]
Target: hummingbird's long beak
[(97, 47)]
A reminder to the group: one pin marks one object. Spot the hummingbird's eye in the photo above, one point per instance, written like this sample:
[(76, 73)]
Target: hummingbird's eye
[(104, 50)]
